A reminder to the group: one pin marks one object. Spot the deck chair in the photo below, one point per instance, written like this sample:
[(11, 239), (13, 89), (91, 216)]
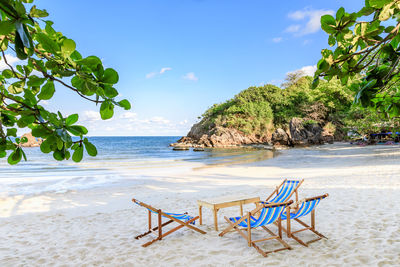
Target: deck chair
[(269, 213), (183, 219), (285, 191), (305, 207)]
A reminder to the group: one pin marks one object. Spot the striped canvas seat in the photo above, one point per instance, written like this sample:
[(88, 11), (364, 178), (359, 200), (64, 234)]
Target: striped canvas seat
[(258, 219), (285, 191), (182, 219), (267, 216), (180, 216), (304, 209)]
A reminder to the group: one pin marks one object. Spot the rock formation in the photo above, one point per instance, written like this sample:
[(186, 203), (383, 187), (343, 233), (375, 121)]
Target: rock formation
[(32, 141), (300, 132)]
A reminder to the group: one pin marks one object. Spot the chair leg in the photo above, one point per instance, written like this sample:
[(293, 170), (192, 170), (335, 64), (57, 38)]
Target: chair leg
[(159, 225), (307, 227), (168, 232), (248, 230), (274, 236), (153, 230)]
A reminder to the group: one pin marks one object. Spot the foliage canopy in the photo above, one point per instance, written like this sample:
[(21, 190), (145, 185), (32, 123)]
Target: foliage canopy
[(46, 57), (259, 109), (366, 42)]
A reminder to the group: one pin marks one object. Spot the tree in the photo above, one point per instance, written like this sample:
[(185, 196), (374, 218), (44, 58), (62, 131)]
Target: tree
[(367, 43), (47, 57)]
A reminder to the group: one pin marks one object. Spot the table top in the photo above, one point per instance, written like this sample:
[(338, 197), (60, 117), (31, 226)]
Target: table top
[(229, 199)]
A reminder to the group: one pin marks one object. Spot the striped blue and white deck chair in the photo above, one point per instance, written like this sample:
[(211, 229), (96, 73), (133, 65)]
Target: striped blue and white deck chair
[(183, 219), (268, 214), (285, 191), (304, 207)]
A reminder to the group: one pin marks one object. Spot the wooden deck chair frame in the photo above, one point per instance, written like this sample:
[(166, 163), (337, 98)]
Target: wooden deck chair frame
[(276, 191), (158, 230), (247, 236), (291, 234)]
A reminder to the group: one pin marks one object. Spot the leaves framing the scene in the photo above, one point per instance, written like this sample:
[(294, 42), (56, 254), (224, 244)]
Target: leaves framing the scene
[(365, 44), (47, 60)]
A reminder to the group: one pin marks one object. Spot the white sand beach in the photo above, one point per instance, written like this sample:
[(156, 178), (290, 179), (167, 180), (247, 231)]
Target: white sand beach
[(97, 227)]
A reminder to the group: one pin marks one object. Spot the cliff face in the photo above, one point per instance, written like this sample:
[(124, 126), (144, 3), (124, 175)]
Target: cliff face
[(297, 134), (218, 136)]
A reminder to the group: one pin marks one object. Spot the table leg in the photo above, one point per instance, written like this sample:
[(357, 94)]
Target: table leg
[(200, 215), (215, 219)]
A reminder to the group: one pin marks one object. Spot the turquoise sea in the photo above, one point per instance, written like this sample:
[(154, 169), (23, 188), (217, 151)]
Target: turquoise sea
[(120, 160)]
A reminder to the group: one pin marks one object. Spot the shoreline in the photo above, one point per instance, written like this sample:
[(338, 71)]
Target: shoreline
[(97, 226)]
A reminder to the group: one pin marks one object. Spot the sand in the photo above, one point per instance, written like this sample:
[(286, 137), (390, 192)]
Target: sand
[(97, 227)]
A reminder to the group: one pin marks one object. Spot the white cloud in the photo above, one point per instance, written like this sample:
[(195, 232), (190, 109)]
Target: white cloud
[(293, 28), (90, 115), (131, 124), (150, 75), (312, 17), (165, 69), (153, 74), (277, 39), (159, 119), (190, 76), (306, 70), (10, 59), (128, 115)]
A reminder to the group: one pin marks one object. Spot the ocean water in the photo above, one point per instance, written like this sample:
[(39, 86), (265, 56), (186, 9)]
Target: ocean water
[(120, 160)]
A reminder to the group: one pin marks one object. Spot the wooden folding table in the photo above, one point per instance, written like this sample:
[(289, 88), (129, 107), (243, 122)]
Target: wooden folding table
[(224, 202)]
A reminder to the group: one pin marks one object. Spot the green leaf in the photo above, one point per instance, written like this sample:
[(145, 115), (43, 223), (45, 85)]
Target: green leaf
[(340, 13), (6, 27), (124, 104), (37, 13), (331, 40), (45, 146), (47, 43), (106, 110), (59, 155), (91, 62), (35, 80), (77, 130), (23, 153), (78, 154), (7, 73), (90, 148), (20, 8), (3, 153), (9, 9), (16, 88), (110, 76), (40, 131), (12, 132), (15, 157), (110, 91), (378, 3), (47, 91), (328, 23), (19, 47), (71, 119), (68, 46), (386, 13)]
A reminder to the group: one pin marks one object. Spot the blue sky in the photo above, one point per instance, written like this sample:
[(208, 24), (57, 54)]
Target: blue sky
[(176, 58)]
